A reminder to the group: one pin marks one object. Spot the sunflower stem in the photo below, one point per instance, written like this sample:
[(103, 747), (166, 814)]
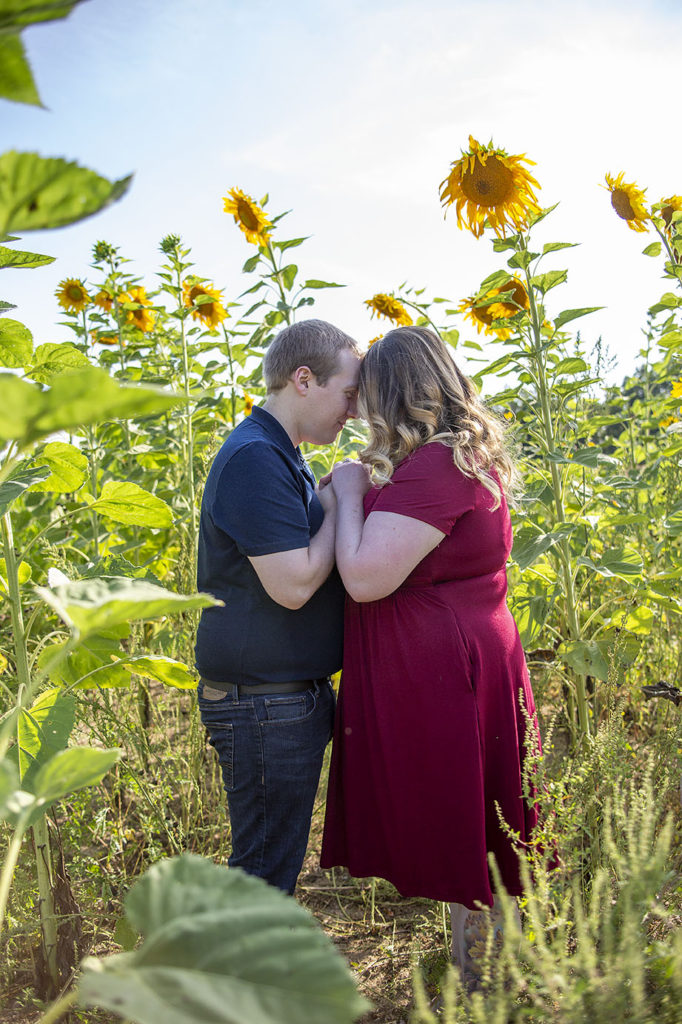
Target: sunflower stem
[(286, 312), (557, 489), (189, 428), (92, 466)]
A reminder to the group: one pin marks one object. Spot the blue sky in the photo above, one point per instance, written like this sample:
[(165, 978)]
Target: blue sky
[(350, 114)]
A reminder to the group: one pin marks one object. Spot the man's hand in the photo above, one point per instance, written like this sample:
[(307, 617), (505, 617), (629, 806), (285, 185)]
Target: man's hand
[(351, 478), (325, 493)]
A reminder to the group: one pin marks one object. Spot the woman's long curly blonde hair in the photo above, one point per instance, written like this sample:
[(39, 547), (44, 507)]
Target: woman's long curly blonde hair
[(412, 393)]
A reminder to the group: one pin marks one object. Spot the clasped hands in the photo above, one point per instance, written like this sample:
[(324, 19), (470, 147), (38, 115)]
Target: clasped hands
[(349, 478)]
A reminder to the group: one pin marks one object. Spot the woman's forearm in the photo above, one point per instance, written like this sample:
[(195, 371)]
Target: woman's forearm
[(350, 520)]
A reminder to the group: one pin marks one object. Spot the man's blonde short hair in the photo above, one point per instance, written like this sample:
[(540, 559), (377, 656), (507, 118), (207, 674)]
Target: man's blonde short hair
[(311, 343)]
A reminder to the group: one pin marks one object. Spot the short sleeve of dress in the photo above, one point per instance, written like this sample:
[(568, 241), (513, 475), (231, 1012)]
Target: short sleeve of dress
[(429, 487), (259, 502)]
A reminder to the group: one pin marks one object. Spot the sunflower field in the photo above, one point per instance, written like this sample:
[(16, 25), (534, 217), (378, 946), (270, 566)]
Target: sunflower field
[(112, 815)]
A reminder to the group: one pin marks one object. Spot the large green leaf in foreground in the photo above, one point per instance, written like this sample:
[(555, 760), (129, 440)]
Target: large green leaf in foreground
[(29, 413), (90, 606), (48, 192), (221, 947)]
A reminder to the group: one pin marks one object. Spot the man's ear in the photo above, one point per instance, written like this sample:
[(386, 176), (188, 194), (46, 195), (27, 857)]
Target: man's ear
[(301, 378)]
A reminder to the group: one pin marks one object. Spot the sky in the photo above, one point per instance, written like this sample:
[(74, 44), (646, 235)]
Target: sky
[(350, 114)]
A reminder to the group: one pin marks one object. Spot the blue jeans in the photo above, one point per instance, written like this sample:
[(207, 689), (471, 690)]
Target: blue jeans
[(270, 748)]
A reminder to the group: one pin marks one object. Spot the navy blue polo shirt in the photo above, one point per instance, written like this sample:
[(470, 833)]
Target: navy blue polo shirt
[(260, 498)]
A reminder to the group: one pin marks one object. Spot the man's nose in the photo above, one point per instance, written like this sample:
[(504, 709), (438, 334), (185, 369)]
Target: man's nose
[(352, 413)]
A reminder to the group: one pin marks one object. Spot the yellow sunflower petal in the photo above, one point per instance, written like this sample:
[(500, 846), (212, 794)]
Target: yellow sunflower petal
[(389, 307), (209, 309), (628, 201), (248, 215), (494, 186), (72, 296)]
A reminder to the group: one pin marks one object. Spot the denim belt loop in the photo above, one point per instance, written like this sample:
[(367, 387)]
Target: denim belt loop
[(235, 692)]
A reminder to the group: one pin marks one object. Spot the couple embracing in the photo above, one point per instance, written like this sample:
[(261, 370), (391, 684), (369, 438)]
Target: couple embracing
[(394, 566)]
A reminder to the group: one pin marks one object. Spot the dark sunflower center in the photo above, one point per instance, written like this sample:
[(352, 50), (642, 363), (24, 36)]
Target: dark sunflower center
[(247, 216), (620, 201), (483, 315), (74, 292), (488, 184), (518, 298), (667, 215)]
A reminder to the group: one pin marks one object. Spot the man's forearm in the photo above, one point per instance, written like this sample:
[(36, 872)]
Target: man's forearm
[(291, 577), (320, 558)]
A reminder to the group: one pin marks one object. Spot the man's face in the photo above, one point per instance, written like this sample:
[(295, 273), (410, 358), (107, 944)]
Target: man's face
[(329, 405)]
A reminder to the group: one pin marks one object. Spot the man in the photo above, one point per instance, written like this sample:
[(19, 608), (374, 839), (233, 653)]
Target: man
[(266, 549)]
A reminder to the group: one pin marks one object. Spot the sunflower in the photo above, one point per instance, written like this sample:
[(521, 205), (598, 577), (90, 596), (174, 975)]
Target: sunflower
[(669, 206), (104, 299), (378, 338), (386, 305), (667, 422), (210, 311), (141, 317), (72, 296), (488, 184), (677, 389), (103, 339), (248, 404), (248, 215), (628, 202), (482, 312)]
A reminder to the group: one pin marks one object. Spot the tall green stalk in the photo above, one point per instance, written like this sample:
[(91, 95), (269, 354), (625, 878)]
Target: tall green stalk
[(41, 837), (547, 423), (189, 427)]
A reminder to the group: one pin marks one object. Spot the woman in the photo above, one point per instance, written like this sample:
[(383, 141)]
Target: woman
[(430, 730)]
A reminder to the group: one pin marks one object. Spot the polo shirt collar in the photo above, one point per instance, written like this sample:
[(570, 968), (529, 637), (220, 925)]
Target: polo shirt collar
[(274, 429)]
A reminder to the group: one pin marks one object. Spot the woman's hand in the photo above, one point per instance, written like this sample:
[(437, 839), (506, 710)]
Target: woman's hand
[(351, 478)]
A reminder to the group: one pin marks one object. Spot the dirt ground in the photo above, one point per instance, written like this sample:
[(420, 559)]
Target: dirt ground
[(380, 934)]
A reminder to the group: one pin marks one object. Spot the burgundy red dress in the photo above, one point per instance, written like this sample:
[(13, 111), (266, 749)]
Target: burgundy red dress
[(429, 730)]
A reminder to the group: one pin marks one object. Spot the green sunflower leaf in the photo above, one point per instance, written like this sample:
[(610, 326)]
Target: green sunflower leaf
[(29, 413), (19, 481), (543, 282), (572, 364), (290, 244), (44, 192), (17, 14), (91, 606), (95, 662), (16, 344), (68, 465), (224, 947), (71, 770), (165, 670), (639, 621), (314, 283), (529, 545), (50, 359), (671, 340), (42, 730), (288, 276), (587, 658), (652, 250), (573, 314), (555, 246), (25, 260), (16, 77), (128, 503)]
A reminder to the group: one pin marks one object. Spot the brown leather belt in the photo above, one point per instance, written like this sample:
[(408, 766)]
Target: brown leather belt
[(246, 689)]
